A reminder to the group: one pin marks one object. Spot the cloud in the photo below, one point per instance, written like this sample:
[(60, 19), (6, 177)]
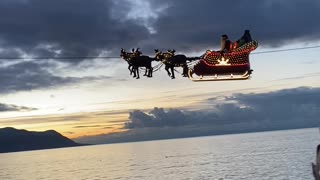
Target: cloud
[(63, 28), (283, 109), (26, 76), (287, 105), (68, 132), (37, 120), (158, 117), (186, 25), (10, 107), (91, 126), (71, 28)]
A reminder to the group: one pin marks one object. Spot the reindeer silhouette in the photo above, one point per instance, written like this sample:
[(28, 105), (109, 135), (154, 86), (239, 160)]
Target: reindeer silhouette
[(171, 61), (127, 57), (136, 60)]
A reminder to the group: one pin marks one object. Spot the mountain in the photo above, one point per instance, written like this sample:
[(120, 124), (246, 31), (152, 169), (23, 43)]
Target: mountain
[(13, 140)]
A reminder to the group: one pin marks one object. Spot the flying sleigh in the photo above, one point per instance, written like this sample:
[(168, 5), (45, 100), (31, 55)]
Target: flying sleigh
[(212, 66), (217, 66)]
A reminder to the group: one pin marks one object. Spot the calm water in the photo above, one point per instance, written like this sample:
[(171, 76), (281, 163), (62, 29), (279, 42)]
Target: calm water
[(271, 155)]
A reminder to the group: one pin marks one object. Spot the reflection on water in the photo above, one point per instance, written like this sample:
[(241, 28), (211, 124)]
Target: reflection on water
[(270, 155)]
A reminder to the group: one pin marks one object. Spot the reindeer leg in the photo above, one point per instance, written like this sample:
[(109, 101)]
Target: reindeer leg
[(130, 69), (185, 71), (172, 70), (138, 77), (167, 69), (134, 71), (145, 73), (150, 72)]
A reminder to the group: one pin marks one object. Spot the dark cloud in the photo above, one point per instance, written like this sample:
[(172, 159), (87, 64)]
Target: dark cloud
[(158, 117), (10, 107), (65, 27), (68, 132), (189, 25), (72, 28), (222, 114), (61, 28), (287, 105), (26, 76), (284, 109), (93, 126), (39, 120)]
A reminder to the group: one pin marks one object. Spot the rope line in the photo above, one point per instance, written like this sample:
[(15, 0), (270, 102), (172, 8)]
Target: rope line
[(59, 58), (114, 57), (283, 50), (155, 68)]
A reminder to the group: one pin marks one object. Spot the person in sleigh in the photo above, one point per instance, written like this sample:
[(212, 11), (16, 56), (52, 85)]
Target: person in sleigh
[(246, 37)]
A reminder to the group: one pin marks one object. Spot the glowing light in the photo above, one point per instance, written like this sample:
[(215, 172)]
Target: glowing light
[(223, 62)]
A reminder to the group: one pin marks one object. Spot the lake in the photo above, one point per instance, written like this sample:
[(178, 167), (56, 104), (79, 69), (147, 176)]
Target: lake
[(277, 155)]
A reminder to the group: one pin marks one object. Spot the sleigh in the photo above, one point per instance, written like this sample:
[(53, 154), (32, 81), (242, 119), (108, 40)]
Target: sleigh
[(217, 66)]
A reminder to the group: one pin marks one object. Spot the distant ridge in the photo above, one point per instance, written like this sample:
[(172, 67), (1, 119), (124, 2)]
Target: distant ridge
[(14, 140)]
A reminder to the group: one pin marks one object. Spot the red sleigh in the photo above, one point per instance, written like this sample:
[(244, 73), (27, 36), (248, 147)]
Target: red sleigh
[(217, 66)]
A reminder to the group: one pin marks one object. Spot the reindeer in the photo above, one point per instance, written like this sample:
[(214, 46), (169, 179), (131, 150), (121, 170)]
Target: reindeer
[(171, 61), (136, 60), (127, 57)]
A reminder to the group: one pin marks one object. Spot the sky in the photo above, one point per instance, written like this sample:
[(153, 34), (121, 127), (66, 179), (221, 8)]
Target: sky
[(87, 97)]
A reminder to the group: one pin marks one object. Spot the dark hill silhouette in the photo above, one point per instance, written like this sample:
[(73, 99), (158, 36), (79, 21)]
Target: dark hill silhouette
[(13, 140)]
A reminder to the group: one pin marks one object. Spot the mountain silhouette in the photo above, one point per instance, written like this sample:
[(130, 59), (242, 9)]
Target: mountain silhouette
[(13, 140)]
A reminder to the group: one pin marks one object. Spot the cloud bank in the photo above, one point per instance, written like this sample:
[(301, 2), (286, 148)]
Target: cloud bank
[(26, 76), (10, 107), (72, 28), (284, 109)]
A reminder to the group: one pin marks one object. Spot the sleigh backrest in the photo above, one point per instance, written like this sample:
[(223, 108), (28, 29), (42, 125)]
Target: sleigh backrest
[(247, 48), (237, 56)]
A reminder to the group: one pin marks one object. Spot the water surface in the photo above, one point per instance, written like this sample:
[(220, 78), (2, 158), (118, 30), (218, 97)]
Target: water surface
[(278, 155)]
